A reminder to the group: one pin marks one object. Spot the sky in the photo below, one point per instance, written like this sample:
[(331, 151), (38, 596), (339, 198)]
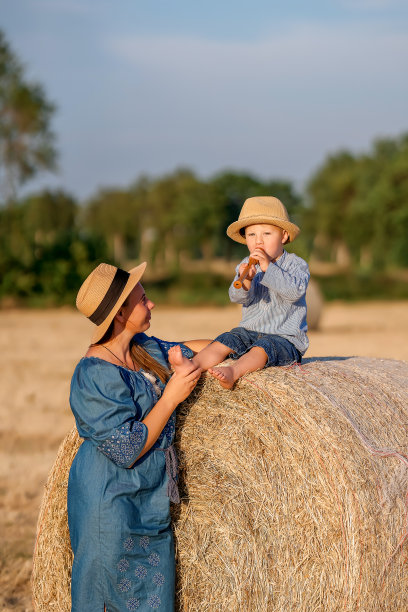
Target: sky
[(261, 86)]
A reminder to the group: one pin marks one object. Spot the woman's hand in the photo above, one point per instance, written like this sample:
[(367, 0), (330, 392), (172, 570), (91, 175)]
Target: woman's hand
[(181, 384), (177, 389)]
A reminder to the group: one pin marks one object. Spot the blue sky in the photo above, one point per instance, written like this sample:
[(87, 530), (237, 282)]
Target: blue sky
[(146, 86)]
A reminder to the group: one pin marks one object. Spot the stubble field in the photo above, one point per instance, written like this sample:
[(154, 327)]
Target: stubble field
[(38, 352)]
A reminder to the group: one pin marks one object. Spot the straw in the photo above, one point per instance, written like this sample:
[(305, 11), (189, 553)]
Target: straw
[(294, 493)]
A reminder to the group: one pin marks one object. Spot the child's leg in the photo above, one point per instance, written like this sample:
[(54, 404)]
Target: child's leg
[(210, 355), (255, 359)]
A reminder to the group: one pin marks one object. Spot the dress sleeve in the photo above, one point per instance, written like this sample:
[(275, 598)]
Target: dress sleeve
[(165, 346), (106, 413)]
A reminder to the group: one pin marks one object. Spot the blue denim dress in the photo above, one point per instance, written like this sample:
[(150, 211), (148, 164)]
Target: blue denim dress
[(119, 516)]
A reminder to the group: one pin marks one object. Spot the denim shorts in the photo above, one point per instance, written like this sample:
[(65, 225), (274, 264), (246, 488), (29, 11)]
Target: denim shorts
[(279, 350)]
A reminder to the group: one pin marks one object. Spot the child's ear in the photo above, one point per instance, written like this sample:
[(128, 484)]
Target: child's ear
[(285, 237)]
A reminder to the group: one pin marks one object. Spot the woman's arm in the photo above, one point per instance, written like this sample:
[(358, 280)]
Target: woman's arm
[(104, 409), (177, 389)]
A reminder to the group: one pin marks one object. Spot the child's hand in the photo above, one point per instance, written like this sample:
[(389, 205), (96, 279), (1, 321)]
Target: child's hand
[(251, 271), (263, 259)]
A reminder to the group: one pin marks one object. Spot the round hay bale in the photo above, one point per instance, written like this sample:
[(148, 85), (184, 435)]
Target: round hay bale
[(294, 492), (52, 562)]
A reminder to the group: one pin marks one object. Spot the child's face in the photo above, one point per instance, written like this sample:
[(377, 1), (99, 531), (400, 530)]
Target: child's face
[(267, 237)]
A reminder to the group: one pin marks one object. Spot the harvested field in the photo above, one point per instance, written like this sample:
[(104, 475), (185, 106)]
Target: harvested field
[(38, 353)]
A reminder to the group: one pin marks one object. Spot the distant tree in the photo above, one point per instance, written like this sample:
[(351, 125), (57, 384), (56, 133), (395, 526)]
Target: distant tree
[(378, 217), (26, 140), (44, 254), (331, 191), (235, 188), (358, 207), (48, 213), (198, 217), (168, 213), (118, 215)]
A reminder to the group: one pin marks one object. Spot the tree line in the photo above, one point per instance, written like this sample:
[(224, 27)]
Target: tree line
[(353, 211)]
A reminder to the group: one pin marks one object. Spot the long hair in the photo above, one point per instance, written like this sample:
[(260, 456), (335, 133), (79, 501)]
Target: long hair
[(149, 363), (140, 356)]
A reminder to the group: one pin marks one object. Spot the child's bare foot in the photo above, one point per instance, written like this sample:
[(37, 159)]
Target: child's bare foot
[(225, 375), (178, 362)]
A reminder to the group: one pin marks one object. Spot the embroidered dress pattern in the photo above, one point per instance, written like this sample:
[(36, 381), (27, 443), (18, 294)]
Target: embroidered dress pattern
[(124, 585), (132, 603), (154, 602), (141, 572), (144, 542), (153, 559), (166, 346), (123, 565), (158, 579), (125, 443), (168, 431), (128, 544)]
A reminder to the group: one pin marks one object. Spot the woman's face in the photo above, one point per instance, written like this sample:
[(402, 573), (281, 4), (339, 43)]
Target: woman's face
[(136, 311)]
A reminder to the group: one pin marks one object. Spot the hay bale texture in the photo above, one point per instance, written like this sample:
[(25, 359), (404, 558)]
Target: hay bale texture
[(294, 492), (52, 561)]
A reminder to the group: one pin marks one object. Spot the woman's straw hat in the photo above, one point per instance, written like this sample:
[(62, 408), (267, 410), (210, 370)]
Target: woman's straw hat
[(262, 209), (103, 292)]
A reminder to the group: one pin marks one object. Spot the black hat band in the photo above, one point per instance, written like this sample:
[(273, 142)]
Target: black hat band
[(111, 297)]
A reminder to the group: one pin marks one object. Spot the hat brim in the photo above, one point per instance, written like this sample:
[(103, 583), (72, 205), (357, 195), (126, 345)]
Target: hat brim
[(233, 230), (135, 274)]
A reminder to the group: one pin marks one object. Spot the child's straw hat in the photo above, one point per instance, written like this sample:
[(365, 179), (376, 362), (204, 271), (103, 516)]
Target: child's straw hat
[(262, 209), (103, 292)]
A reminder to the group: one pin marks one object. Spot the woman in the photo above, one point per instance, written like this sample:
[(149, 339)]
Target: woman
[(125, 472)]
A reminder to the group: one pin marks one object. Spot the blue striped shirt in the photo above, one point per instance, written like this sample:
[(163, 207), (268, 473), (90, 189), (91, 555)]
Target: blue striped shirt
[(276, 300)]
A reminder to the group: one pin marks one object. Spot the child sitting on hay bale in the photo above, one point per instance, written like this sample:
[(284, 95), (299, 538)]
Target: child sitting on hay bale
[(273, 329)]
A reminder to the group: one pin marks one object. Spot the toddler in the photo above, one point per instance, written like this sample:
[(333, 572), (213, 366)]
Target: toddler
[(273, 329)]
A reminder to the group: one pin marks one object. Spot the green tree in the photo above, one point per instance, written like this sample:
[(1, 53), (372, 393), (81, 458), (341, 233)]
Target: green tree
[(377, 221), (118, 216), (26, 140), (172, 214), (331, 191), (44, 255), (49, 213), (204, 218), (358, 207)]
